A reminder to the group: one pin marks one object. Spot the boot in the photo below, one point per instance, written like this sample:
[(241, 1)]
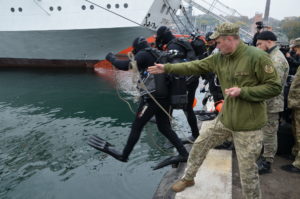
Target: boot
[(182, 184), (264, 166), (290, 168)]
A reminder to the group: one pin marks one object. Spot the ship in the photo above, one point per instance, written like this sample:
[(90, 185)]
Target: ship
[(75, 33)]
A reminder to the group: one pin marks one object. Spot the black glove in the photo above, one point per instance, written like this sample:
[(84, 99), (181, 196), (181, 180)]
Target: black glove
[(110, 57)]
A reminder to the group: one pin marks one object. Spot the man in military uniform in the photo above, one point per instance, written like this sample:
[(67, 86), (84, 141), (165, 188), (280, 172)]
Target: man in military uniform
[(294, 104), (247, 76), (266, 41)]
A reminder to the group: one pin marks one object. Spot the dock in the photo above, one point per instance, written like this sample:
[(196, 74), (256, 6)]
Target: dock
[(218, 178)]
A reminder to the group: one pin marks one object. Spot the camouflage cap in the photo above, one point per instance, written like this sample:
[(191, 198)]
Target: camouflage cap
[(225, 29), (295, 43)]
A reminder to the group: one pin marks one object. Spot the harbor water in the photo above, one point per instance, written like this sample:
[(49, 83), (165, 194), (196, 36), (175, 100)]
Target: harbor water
[(46, 118)]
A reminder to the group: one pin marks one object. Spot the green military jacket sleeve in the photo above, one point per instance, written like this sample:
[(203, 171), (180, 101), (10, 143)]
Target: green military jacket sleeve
[(247, 68), (294, 93), (192, 68)]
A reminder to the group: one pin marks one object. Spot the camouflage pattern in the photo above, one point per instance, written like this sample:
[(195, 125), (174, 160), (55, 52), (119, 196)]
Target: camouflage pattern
[(294, 103), (294, 93), (296, 132), (225, 29), (295, 42), (276, 104), (270, 136), (248, 145)]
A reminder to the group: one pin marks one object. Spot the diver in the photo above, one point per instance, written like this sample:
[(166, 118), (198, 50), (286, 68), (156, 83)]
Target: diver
[(212, 80), (165, 38), (146, 110)]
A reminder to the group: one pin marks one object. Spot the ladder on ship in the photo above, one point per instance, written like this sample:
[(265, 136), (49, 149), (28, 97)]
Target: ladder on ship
[(218, 10)]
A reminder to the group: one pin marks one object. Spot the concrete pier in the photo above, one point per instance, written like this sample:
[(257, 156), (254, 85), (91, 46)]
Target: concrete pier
[(214, 178)]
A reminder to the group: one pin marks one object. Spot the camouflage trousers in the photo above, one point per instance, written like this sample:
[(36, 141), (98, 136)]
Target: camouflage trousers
[(270, 136), (248, 145), (296, 132)]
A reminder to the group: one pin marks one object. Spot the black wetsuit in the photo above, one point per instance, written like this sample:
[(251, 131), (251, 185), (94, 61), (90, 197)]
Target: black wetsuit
[(148, 108), (191, 83), (212, 80)]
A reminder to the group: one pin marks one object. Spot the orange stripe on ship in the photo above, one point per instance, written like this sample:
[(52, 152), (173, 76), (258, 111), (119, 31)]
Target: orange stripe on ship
[(105, 69)]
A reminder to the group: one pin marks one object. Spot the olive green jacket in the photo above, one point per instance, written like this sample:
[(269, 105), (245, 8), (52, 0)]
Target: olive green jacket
[(294, 93), (248, 68)]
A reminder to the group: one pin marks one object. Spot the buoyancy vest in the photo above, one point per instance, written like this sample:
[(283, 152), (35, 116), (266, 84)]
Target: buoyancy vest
[(156, 84), (189, 53), (177, 84)]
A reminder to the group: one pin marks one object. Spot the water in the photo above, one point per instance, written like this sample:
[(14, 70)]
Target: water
[(46, 117)]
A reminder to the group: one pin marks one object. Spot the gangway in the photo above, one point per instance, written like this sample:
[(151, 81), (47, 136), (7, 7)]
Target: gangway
[(212, 8)]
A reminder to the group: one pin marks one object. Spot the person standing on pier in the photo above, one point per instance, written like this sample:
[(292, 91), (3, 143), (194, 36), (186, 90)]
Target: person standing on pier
[(247, 78), (266, 41), (294, 104)]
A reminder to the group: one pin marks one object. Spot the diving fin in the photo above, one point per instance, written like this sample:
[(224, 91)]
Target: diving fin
[(98, 139), (173, 160), (104, 146)]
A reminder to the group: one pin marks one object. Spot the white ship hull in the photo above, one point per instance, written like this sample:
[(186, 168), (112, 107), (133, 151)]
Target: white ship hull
[(75, 31)]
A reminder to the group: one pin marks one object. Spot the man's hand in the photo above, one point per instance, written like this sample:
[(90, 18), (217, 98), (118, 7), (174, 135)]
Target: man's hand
[(233, 92), (157, 69)]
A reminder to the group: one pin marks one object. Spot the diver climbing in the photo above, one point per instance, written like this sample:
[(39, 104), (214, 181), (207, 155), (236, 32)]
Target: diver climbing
[(148, 107)]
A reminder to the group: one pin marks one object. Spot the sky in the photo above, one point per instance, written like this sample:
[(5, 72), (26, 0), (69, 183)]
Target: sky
[(278, 10)]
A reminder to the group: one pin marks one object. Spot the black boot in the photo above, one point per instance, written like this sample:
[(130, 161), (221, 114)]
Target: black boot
[(290, 168), (264, 166)]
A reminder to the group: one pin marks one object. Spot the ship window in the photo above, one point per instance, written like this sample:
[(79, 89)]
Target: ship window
[(20, 9), (51, 8), (108, 6), (92, 7), (117, 6), (12, 9), (59, 8), (125, 5), (83, 7), (163, 8)]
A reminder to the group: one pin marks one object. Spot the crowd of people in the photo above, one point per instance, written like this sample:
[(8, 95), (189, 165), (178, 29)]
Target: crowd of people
[(260, 86)]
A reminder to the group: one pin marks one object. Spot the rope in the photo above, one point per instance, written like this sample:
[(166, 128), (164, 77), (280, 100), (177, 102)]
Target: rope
[(41, 7), (188, 19), (180, 21), (126, 18), (142, 85)]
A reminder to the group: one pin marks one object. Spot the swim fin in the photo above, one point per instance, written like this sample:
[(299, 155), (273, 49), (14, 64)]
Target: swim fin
[(104, 146), (173, 160)]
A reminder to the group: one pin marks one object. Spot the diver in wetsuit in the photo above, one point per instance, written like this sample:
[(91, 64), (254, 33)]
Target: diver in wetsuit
[(165, 37), (146, 110), (210, 78)]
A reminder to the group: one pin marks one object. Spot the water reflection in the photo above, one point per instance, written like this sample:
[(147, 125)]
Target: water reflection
[(46, 118)]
